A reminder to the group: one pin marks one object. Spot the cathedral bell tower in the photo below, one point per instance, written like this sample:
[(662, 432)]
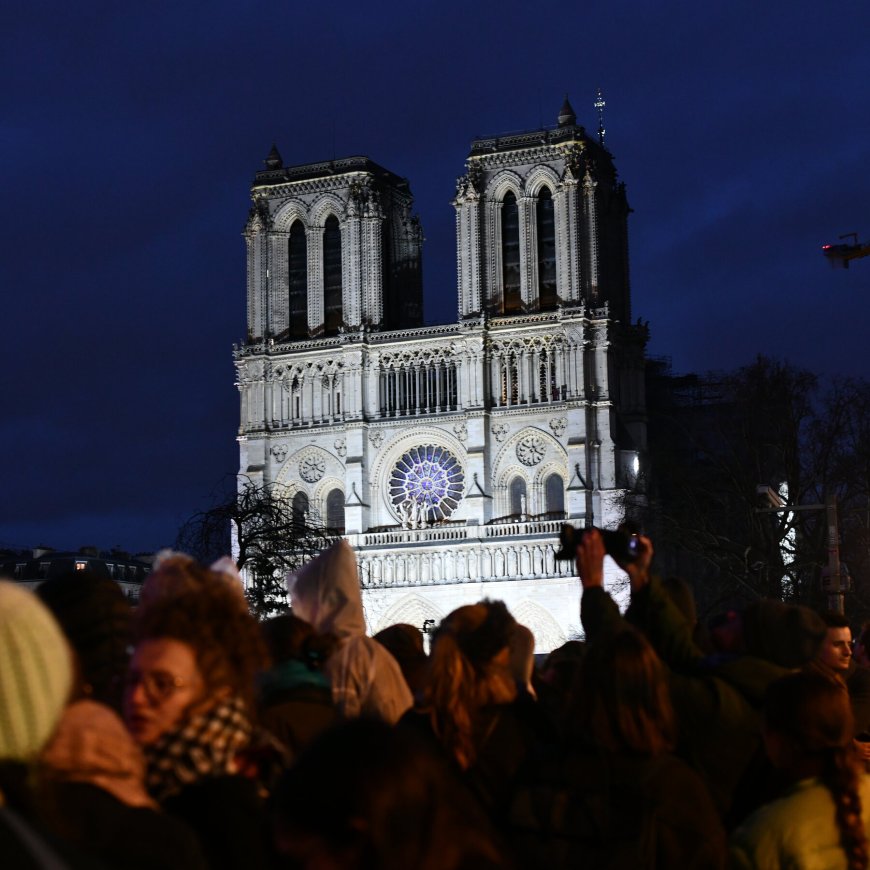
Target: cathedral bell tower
[(332, 247), (541, 222)]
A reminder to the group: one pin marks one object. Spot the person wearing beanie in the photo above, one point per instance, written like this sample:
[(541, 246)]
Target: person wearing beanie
[(35, 682), (97, 621), (35, 674)]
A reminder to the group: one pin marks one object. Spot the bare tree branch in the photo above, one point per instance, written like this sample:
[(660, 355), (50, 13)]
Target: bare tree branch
[(270, 539)]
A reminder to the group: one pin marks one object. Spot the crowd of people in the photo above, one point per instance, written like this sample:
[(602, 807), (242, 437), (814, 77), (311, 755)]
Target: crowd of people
[(185, 734)]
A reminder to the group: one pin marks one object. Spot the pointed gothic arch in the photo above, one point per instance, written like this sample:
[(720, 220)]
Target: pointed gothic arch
[(554, 493), (518, 496), (294, 210), (300, 506), (335, 510), (541, 175), (412, 609), (548, 634)]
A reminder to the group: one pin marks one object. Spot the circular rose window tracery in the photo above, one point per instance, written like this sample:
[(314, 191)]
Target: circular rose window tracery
[(426, 483)]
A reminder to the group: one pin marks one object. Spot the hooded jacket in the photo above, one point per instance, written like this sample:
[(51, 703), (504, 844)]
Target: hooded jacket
[(98, 799), (92, 745), (366, 679)]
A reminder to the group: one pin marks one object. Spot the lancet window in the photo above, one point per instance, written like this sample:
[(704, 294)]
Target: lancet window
[(335, 510), (512, 301), (297, 280), (546, 231), (333, 314), (554, 494), (300, 508)]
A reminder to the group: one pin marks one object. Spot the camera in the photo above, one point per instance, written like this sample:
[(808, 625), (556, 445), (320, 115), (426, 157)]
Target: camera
[(621, 544)]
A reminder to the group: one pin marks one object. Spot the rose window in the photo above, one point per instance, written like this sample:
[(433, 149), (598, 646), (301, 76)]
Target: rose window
[(427, 482), (311, 468), (530, 451)]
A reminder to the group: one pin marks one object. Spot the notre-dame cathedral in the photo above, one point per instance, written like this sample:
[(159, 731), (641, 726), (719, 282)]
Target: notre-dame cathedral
[(448, 455)]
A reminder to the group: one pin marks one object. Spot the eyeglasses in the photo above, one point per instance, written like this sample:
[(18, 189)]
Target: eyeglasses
[(158, 685)]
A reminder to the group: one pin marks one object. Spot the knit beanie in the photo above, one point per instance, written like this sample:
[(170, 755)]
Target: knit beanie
[(786, 634), (97, 620), (35, 673)]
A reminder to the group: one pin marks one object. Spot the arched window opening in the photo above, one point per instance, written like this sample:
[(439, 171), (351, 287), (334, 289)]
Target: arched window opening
[(510, 254), (335, 510), (510, 380), (297, 281), (546, 225), (333, 315), (554, 493), (452, 397), (300, 509), (517, 496), (549, 390), (412, 390)]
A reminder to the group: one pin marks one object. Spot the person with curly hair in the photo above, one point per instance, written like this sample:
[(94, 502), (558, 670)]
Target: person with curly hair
[(823, 820), (190, 704)]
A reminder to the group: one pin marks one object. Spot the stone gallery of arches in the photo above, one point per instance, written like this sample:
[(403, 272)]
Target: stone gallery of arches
[(447, 455)]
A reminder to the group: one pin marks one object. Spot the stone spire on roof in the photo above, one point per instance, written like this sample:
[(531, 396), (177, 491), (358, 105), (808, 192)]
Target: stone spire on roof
[(567, 117), (274, 161)]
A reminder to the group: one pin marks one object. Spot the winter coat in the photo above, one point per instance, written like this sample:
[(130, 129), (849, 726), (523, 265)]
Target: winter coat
[(25, 846), (798, 830), (588, 808), (295, 704), (95, 773), (229, 817), (504, 735), (214, 771), (858, 683), (717, 702), (365, 678)]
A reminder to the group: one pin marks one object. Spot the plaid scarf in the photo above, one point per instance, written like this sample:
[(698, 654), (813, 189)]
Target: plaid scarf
[(206, 745)]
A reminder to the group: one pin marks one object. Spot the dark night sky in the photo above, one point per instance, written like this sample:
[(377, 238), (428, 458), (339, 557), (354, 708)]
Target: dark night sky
[(129, 134)]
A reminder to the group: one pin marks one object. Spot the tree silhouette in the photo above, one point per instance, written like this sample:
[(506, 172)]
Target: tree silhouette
[(714, 439), (267, 537)]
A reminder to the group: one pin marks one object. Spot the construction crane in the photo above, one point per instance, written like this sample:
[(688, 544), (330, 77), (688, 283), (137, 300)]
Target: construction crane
[(839, 255)]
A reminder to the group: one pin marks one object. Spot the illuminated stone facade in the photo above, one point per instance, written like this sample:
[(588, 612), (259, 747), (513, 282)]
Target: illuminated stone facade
[(449, 454)]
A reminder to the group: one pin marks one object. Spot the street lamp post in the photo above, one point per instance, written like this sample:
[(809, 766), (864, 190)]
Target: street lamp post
[(832, 581)]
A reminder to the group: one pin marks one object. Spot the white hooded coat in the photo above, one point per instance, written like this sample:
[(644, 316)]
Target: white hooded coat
[(366, 679)]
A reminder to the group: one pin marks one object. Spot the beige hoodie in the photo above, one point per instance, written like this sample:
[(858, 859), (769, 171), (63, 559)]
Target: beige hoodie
[(366, 679), (92, 745)]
